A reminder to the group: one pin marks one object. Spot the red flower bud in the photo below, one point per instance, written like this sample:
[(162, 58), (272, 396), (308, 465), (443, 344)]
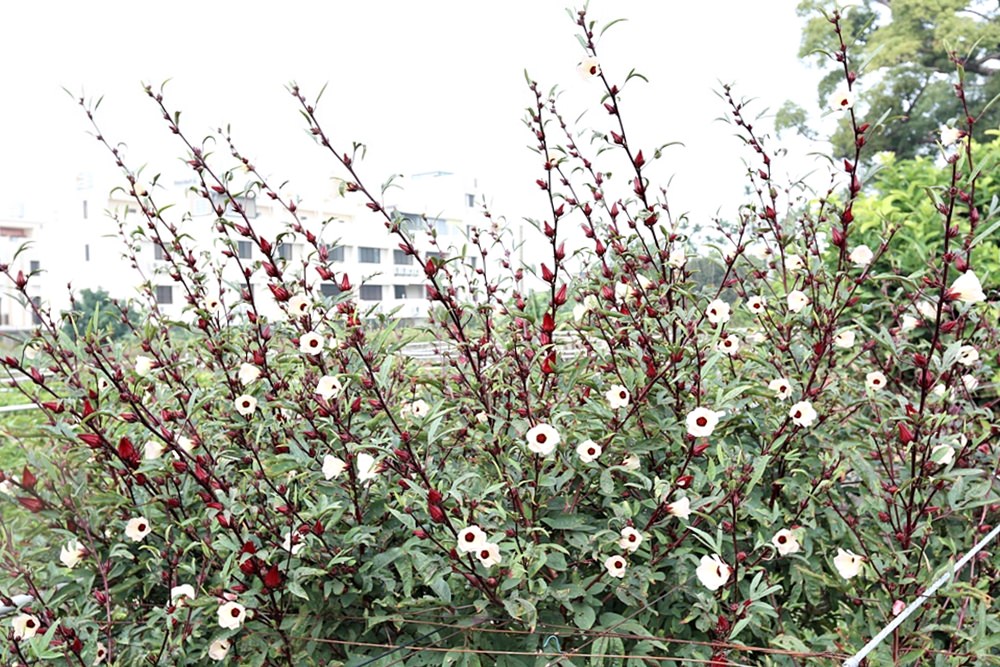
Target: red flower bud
[(436, 513), (272, 578), (905, 434), (31, 504)]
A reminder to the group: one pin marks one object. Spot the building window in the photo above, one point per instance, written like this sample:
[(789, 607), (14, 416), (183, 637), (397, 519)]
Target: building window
[(37, 302), (35, 265), (329, 289), (84, 209), (164, 294), (86, 252), (401, 258), (285, 251), (157, 251), (244, 249), (371, 292), (400, 291), (336, 253), (369, 255), (470, 200)]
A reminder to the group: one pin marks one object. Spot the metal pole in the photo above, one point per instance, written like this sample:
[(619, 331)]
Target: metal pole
[(856, 659)]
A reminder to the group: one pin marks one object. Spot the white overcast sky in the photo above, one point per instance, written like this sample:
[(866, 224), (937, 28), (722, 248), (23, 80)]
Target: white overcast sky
[(426, 85)]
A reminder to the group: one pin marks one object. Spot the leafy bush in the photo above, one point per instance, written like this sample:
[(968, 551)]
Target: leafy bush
[(621, 465), (96, 312)]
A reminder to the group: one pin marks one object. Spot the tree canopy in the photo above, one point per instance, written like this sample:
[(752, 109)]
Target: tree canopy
[(901, 50)]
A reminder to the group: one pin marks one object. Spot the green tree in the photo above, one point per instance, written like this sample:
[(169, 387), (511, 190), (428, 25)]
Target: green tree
[(96, 312), (901, 49)]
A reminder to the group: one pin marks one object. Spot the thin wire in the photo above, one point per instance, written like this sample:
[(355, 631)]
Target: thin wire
[(622, 635)]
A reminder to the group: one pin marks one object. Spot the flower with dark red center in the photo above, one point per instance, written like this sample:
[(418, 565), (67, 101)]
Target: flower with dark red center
[(542, 439), (471, 539)]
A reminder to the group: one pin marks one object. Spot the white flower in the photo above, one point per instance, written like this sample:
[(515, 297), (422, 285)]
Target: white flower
[(218, 649), (153, 450), (489, 554), (677, 257), (781, 387), (588, 451), (25, 626), (845, 339), (631, 462), (328, 387), (680, 508), (290, 544), (298, 305), (100, 654), (702, 421), (759, 251), (909, 323), (967, 355), (211, 304), (7, 486), (615, 566), (803, 414), (949, 135), (588, 68), (756, 304), (417, 409), (333, 466), (482, 417), (927, 310), (311, 343), (970, 383), (138, 528), (588, 304), (622, 290), (185, 443), (842, 99), (797, 300), (794, 263), (178, 593), (367, 469), (232, 615), (875, 380), (784, 541), (617, 396), (717, 312), (755, 338), (630, 539), (713, 572), (143, 365), (848, 563), (542, 439), (862, 255), (71, 553), (943, 454), (248, 373), (729, 345), (245, 405), (967, 288), (470, 539)]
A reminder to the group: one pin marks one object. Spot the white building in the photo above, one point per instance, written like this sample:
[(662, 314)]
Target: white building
[(84, 247), (21, 251)]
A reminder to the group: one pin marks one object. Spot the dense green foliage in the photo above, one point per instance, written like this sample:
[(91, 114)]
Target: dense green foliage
[(900, 48)]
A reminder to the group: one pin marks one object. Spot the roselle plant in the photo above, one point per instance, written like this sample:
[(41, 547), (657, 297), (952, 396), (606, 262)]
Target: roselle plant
[(636, 461)]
